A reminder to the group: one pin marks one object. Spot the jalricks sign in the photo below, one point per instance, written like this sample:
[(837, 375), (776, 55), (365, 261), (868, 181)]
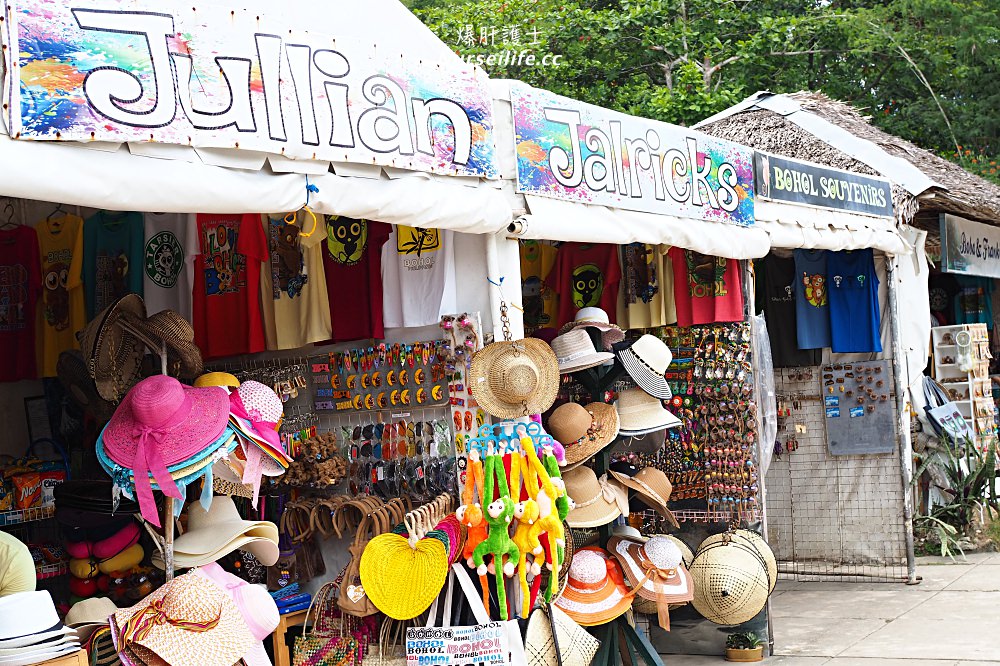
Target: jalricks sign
[(579, 152), (100, 70)]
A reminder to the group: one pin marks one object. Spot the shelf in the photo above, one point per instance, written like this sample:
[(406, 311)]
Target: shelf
[(19, 516), (43, 571)]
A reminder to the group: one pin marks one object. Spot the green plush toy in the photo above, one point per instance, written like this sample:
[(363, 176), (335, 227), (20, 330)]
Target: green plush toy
[(498, 543), (563, 503)]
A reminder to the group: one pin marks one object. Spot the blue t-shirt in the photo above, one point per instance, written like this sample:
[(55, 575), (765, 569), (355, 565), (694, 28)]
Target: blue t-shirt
[(112, 258), (974, 302), (812, 306), (854, 312)]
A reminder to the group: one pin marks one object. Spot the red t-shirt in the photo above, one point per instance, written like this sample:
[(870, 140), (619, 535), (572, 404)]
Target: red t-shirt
[(226, 303), (586, 275), (20, 289), (352, 261), (707, 289)]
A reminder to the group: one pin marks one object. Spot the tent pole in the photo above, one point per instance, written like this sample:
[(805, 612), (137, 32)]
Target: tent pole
[(902, 423)]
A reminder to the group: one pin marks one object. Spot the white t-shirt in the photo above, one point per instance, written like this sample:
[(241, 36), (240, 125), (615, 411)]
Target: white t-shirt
[(168, 262), (418, 276)]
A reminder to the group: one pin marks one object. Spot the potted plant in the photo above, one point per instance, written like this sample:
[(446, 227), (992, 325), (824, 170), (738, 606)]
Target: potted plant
[(744, 647)]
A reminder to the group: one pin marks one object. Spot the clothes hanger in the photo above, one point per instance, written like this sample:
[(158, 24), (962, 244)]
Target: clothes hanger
[(9, 222)]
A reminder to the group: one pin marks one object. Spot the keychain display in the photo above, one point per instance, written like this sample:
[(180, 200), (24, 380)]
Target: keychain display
[(381, 377)]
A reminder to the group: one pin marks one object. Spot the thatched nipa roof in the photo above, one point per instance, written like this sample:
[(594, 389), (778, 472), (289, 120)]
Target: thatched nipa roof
[(956, 191)]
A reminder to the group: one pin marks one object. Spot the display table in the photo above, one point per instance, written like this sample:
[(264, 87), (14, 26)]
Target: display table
[(282, 655), (78, 658)]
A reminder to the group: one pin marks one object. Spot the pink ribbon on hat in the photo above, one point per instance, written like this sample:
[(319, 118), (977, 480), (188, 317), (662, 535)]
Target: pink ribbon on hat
[(148, 459), (267, 430)]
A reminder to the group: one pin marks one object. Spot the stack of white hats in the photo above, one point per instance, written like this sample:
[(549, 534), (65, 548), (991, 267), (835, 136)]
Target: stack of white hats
[(30, 630)]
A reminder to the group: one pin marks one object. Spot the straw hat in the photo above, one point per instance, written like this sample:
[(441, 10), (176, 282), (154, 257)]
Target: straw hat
[(87, 616), (256, 412), (72, 371), (256, 606), (583, 431), (514, 379), (598, 502), (755, 541), (169, 327), (646, 361), (596, 592), (575, 351), (576, 646), (730, 582), (402, 581), (219, 531), (654, 567), (101, 648), (224, 379), (187, 621), (160, 423), (651, 485), (597, 318), (640, 413), (113, 355)]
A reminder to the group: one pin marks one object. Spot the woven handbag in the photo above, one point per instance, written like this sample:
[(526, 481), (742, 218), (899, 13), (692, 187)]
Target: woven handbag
[(324, 644), (553, 638)]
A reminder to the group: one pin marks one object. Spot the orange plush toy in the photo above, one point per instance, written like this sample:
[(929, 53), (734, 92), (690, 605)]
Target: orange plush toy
[(470, 514)]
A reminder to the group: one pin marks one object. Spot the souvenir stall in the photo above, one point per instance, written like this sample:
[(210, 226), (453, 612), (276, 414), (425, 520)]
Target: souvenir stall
[(199, 312)]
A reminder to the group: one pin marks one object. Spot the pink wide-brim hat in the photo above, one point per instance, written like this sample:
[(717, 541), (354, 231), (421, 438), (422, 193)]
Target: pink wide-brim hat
[(160, 423)]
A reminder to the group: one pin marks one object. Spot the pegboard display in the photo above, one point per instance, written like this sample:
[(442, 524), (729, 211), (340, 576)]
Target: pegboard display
[(858, 407), (830, 517)]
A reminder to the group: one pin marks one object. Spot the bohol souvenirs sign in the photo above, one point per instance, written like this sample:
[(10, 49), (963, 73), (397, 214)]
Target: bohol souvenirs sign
[(586, 154), (969, 247), (782, 179), (208, 76)]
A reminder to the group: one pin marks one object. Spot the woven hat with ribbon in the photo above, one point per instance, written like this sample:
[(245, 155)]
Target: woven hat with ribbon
[(651, 485), (730, 582), (611, 334), (256, 412), (159, 423), (655, 570), (597, 501), (575, 351), (596, 592), (189, 620), (113, 353)]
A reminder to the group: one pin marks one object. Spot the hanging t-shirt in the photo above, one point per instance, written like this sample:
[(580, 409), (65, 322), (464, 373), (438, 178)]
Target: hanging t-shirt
[(775, 278), (707, 289), (293, 289), (226, 298), (352, 261), (974, 302), (854, 311), (538, 298), (812, 304), (585, 276), (168, 262), (942, 295), (418, 276), (647, 291), (20, 287), (60, 241), (112, 258)]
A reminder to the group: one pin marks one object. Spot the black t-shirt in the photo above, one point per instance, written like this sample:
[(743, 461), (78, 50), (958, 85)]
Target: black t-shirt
[(777, 299)]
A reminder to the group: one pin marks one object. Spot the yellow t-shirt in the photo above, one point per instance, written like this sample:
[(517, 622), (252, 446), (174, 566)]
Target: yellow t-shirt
[(661, 310), (296, 313), (17, 570), (62, 314), (540, 305)]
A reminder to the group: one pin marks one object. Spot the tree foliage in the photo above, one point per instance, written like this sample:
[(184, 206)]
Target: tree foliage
[(926, 70)]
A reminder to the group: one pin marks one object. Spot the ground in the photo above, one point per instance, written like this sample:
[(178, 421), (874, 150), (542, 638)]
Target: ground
[(952, 618)]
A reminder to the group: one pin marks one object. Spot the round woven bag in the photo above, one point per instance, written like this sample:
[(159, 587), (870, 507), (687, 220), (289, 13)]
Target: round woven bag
[(730, 582), (647, 606), (755, 541)]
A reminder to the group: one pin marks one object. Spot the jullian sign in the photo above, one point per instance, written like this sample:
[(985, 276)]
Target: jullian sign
[(209, 76), (968, 247), (782, 179), (584, 153)]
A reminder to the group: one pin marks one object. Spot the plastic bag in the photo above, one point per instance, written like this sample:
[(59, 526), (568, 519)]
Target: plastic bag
[(767, 404)]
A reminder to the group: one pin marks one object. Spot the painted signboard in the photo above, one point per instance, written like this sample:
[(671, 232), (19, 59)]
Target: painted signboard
[(583, 153), (208, 76), (783, 179), (969, 248)]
